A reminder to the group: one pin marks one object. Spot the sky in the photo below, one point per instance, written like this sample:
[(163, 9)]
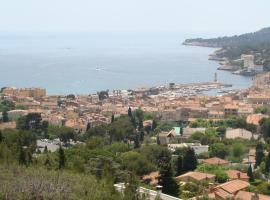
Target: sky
[(202, 16)]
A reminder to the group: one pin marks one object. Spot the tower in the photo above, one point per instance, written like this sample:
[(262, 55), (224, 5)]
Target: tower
[(215, 78)]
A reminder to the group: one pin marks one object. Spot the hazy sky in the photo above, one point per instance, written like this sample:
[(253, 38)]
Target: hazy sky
[(213, 16)]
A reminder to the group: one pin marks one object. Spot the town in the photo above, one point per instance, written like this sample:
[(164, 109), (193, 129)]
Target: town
[(215, 147)]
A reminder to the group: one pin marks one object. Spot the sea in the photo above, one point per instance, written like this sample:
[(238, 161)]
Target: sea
[(84, 63)]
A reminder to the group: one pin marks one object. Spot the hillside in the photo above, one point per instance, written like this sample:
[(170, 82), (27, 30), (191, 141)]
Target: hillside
[(257, 43)]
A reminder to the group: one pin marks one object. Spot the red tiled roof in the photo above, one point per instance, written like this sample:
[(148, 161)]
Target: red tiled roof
[(233, 186), (215, 161), (243, 195), (196, 176)]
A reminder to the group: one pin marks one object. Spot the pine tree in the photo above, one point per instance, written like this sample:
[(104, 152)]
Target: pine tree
[(250, 174), (131, 189), (167, 181), (259, 154), (112, 119), (141, 136), (136, 142), (154, 125), (5, 116), (140, 125), (129, 112), (22, 156), (267, 164), (1, 137), (45, 149), (88, 126), (61, 157), (190, 160), (179, 165), (47, 162)]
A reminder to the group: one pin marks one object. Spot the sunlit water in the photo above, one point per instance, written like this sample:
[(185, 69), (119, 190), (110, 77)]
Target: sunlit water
[(86, 63)]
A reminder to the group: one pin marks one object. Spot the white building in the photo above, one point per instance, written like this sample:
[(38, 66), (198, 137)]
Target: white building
[(197, 147), (248, 61), (238, 133), (15, 114)]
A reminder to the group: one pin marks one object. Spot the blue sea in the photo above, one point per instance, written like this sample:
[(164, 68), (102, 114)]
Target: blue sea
[(83, 63)]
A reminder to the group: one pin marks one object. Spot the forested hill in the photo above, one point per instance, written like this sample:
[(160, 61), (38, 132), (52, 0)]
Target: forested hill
[(262, 36), (257, 43)]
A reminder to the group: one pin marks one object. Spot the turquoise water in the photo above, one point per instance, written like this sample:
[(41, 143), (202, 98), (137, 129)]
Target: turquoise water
[(90, 62)]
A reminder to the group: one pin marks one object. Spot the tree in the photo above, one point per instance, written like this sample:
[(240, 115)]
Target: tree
[(131, 188), (179, 165), (190, 160), (154, 125), (112, 119), (261, 109), (218, 150), (267, 164), (22, 156), (250, 174), (265, 127), (1, 137), (45, 149), (61, 158), (129, 112), (5, 116), (259, 154), (167, 181)]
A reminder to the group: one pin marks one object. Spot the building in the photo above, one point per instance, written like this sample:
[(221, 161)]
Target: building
[(243, 195), (248, 62), (196, 177), (259, 99), (197, 147), (187, 132), (229, 189), (238, 133), (255, 118), (230, 110), (216, 161), (235, 174), (25, 92), (15, 114)]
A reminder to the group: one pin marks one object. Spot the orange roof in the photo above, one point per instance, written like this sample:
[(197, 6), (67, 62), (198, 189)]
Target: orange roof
[(235, 174), (196, 176), (216, 161), (220, 193), (233, 186), (243, 195), (255, 118)]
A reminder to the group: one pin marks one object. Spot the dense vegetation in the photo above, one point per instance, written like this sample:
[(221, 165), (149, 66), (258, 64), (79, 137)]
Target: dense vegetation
[(233, 47), (120, 152)]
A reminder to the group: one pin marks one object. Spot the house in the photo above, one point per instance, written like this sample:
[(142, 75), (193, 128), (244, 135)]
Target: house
[(251, 159), (229, 189), (15, 114), (197, 147), (235, 174), (215, 114), (216, 161), (196, 177), (151, 178), (255, 118), (163, 138), (230, 110), (243, 195), (187, 132), (238, 133), (166, 137)]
